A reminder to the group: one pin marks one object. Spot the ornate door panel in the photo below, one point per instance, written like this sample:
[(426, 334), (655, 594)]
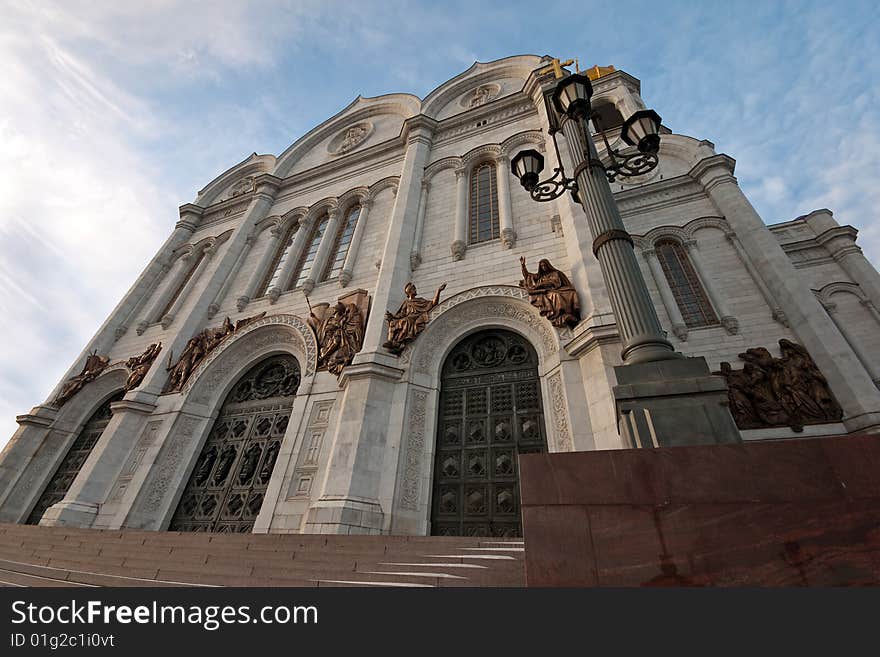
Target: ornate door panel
[(490, 412), (73, 461), (227, 485)]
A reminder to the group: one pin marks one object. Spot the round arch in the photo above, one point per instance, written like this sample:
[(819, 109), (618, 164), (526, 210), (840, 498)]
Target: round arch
[(490, 307)]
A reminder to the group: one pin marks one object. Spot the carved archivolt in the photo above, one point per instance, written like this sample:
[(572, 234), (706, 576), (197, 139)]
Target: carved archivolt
[(683, 234), (282, 330), (486, 152), (504, 302), (826, 292)]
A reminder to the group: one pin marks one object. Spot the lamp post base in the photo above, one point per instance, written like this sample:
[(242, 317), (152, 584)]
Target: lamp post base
[(672, 402)]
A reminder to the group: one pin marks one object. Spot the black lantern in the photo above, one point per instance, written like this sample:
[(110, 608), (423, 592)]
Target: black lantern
[(572, 96), (527, 166), (642, 130)]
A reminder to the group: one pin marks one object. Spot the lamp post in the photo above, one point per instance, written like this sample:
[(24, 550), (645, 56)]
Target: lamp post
[(568, 107), (661, 398)]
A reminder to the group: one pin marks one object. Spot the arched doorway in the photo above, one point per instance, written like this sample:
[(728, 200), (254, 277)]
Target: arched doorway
[(73, 461), (226, 488), (490, 412)]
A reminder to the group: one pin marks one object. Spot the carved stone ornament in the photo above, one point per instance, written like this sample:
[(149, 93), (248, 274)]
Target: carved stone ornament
[(410, 319), (93, 368), (140, 365), (350, 138), (778, 392), (339, 330), (197, 349), (243, 186), (480, 96), (551, 293)]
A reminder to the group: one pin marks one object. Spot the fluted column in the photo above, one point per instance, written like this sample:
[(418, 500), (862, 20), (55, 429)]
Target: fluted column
[(776, 311), (303, 233), (505, 216), (181, 268), (642, 336), (262, 269), (415, 256), (206, 256), (679, 328), (351, 257), (459, 246), (728, 321), (218, 300), (853, 342), (327, 240)]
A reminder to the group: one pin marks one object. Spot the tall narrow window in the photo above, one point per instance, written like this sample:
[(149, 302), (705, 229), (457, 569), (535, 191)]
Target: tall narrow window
[(483, 214), (685, 284), (278, 261), (182, 284), (304, 266), (340, 246)]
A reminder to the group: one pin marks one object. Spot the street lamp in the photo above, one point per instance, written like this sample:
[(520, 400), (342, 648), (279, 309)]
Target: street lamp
[(569, 111)]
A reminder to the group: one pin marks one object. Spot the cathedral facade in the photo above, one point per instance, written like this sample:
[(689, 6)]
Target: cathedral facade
[(361, 334)]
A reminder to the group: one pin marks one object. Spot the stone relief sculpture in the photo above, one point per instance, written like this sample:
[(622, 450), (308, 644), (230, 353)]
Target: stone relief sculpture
[(353, 136), (140, 365), (243, 186), (197, 348), (95, 364), (410, 319), (551, 293), (339, 330), (777, 392)]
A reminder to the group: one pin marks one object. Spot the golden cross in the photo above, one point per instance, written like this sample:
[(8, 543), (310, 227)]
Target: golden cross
[(555, 66)]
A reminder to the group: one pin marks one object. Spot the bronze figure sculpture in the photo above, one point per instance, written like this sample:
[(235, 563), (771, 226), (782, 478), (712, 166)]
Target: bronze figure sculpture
[(140, 365), (410, 319), (777, 392), (92, 369), (197, 348), (340, 335), (551, 293)]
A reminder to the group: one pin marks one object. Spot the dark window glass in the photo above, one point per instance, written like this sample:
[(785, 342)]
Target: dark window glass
[(340, 246), (686, 288), (483, 215)]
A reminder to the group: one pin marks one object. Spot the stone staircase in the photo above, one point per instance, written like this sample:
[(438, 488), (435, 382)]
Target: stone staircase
[(65, 556)]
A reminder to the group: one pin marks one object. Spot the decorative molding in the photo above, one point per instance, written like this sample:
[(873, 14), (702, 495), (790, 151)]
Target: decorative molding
[(203, 382), (147, 438), (165, 470), (415, 448), (560, 413)]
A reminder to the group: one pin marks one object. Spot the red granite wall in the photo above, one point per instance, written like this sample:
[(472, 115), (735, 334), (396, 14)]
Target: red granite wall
[(786, 513)]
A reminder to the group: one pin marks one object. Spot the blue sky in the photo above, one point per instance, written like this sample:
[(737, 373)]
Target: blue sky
[(112, 114)]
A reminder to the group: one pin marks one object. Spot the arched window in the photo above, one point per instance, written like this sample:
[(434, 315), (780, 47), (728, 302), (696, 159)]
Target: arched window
[(341, 244), (181, 284), (606, 116), (696, 310), (73, 461), (304, 266), (278, 261), (483, 214)]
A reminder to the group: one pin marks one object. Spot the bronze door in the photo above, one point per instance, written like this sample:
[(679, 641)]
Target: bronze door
[(227, 485), (73, 461), (490, 412)]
